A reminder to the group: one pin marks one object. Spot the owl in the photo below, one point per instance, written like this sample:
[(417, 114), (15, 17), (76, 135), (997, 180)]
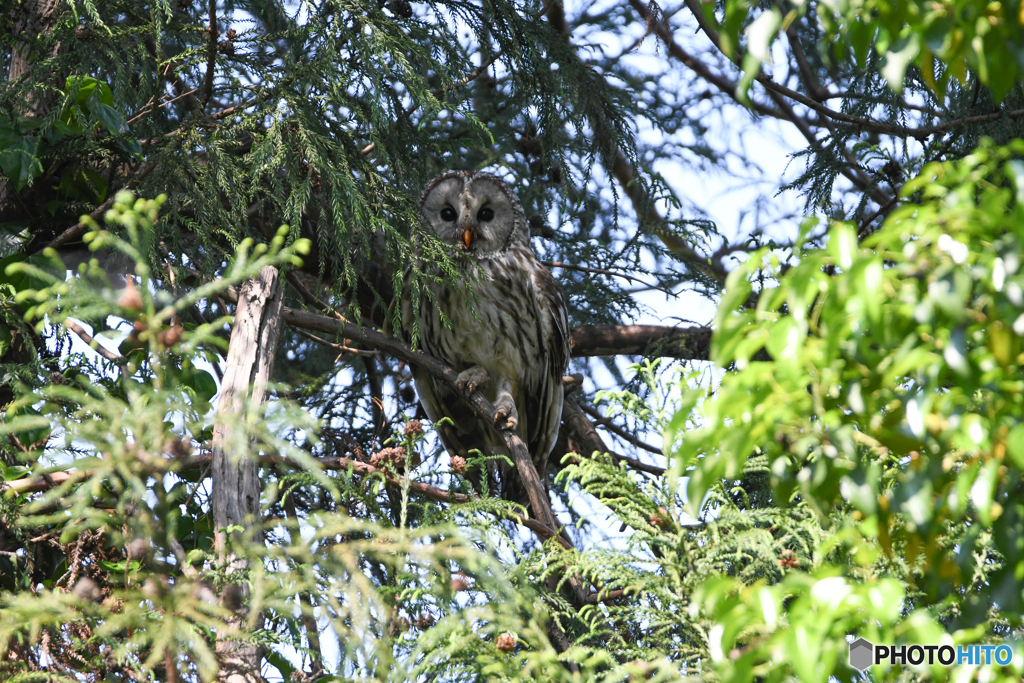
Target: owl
[(509, 331)]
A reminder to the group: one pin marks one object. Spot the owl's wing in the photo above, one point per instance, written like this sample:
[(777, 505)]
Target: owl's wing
[(551, 302), (546, 398)]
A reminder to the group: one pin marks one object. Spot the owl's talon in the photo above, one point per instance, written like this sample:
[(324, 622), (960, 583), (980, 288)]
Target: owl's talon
[(506, 416), (471, 380)]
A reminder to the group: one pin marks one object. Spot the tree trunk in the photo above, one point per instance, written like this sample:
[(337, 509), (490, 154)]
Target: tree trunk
[(29, 19), (236, 486)]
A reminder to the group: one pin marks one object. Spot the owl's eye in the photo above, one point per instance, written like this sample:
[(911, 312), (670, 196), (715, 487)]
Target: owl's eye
[(485, 214), (448, 214)]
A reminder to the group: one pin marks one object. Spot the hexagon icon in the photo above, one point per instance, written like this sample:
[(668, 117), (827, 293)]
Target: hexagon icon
[(861, 654)]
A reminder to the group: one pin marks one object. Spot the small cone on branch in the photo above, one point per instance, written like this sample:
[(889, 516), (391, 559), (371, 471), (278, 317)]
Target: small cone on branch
[(170, 336), (660, 518), (130, 297), (458, 464), (506, 642), (459, 582), (788, 559)]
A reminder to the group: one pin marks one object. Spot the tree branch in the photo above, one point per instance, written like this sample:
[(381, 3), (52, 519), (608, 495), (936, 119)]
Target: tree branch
[(211, 54), (577, 422), (783, 112), (90, 340), (45, 482), (618, 431), (603, 271), (481, 406), (690, 343)]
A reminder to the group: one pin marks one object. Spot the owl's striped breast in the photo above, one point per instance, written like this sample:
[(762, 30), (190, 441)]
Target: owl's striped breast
[(494, 326), (512, 323)]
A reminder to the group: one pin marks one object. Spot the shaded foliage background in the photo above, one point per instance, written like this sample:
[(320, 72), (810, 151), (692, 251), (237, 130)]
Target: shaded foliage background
[(329, 117)]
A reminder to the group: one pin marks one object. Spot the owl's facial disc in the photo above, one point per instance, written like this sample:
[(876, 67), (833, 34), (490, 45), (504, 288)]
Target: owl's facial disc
[(477, 217)]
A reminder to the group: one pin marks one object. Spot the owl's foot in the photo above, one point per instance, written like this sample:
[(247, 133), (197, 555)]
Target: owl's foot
[(505, 415), (472, 379)]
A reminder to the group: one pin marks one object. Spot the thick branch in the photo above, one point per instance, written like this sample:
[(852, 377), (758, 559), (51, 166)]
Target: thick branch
[(691, 343), (91, 341), (211, 53), (481, 406), (42, 482), (236, 486)]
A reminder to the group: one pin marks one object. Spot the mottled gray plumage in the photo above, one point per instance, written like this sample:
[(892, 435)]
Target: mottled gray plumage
[(509, 337)]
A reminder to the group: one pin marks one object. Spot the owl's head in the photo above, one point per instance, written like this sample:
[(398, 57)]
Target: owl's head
[(474, 212)]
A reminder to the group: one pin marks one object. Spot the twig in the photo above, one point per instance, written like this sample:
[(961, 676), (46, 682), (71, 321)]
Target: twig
[(311, 298), (211, 54), (618, 431), (882, 211), (149, 108), (78, 228), (577, 421), (90, 340), (602, 271), (332, 345), (647, 212)]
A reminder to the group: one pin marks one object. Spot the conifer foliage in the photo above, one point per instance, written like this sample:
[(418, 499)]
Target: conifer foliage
[(837, 455)]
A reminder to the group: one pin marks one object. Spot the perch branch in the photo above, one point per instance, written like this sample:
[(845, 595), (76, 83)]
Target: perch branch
[(481, 406)]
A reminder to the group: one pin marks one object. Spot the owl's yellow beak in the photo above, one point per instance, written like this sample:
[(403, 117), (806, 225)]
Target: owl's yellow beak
[(468, 237)]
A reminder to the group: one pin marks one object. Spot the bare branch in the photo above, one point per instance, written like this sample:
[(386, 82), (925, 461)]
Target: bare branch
[(803, 66), (90, 340), (577, 422), (784, 111), (618, 431), (211, 53), (331, 345), (603, 271), (149, 108), (42, 482), (691, 343)]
